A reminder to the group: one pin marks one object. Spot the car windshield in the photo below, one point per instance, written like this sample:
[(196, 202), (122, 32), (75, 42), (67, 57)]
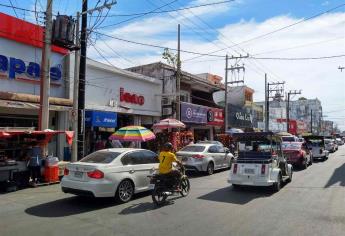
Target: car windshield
[(291, 146), (193, 149), (250, 146), (103, 157), (288, 139)]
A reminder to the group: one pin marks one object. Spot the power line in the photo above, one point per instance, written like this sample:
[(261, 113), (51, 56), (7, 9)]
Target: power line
[(14, 10), (297, 58), (173, 10), (277, 30), (135, 17), (18, 8)]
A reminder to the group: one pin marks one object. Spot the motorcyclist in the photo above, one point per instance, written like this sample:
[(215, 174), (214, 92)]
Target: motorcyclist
[(166, 159)]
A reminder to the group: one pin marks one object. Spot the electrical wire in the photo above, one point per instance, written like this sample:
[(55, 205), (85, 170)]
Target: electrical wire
[(18, 8), (297, 58)]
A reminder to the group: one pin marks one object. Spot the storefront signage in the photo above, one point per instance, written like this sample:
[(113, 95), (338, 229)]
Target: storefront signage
[(131, 97), (215, 116), (239, 117), (15, 66), (192, 113), (101, 119)]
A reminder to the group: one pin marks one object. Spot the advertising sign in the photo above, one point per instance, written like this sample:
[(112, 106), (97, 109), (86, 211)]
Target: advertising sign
[(100, 119), (238, 117), (215, 116), (191, 113)]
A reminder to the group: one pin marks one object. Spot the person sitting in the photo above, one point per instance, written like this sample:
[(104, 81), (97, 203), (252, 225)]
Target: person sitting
[(166, 159)]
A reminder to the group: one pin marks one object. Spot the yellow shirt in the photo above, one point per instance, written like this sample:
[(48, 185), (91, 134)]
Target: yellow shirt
[(165, 162)]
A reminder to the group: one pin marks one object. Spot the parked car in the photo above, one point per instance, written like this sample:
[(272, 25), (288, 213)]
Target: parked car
[(115, 172), (301, 140), (297, 154), (317, 146), (211, 142), (205, 157), (339, 141), (260, 161), (330, 145)]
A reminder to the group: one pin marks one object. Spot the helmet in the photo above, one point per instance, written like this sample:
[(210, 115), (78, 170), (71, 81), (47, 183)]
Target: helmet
[(168, 146)]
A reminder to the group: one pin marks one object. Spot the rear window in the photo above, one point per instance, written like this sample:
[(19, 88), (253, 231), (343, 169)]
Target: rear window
[(103, 157), (288, 139), (193, 149), (291, 146)]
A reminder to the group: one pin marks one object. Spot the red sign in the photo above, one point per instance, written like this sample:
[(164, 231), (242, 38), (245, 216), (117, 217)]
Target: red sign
[(215, 116), (131, 97)]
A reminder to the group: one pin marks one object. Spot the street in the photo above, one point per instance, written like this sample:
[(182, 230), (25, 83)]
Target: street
[(312, 204)]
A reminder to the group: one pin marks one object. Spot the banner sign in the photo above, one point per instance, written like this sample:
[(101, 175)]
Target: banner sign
[(101, 119), (191, 113), (239, 117), (215, 116)]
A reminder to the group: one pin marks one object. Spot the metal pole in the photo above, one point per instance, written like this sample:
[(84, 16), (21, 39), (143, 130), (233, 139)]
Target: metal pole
[(226, 123), (75, 93), (288, 113), (178, 76), (311, 121), (266, 98), (81, 89), (45, 74), (267, 105)]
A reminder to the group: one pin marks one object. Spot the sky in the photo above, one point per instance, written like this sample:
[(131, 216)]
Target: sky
[(233, 25)]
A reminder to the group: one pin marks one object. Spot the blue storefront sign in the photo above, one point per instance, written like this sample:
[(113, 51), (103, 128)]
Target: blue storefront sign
[(15, 66), (191, 113), (101, 119)]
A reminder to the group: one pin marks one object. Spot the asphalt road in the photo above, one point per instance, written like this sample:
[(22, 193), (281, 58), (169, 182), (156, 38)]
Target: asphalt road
[(312, 204)]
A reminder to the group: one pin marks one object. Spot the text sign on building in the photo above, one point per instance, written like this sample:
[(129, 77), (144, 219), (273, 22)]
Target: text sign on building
[(131, 97), (15, 67), (215, 116), (238, 117), (191, 113), (101, 119)]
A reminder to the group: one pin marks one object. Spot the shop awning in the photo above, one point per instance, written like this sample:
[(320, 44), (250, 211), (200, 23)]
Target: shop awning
[(30, 105)]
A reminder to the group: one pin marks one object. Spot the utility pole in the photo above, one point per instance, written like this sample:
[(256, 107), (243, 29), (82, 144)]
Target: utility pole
[(294, 92), (267, 105), (311, 121), (341, 68), (82, 72), (178, 76), (75, 93), (235, 81), (278, 88), (45, 72), (226, 125)]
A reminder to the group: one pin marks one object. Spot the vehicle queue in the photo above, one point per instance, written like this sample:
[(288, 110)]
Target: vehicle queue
[(260, 159)]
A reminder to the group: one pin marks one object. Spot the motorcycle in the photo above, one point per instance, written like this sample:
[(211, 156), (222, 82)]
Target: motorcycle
[(163, 186)]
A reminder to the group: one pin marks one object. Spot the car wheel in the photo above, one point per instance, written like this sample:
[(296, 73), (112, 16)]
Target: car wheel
[(210, 168), (305, 165), (278, 184), (311, 160), (290, 177), (125, 191)]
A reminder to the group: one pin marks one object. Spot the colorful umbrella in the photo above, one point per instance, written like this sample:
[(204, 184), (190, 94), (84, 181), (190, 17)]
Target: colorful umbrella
[(133, 133), (169, 123)]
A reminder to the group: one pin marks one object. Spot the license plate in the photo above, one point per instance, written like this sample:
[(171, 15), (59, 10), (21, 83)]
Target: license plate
[(249, 171), (78, 174)]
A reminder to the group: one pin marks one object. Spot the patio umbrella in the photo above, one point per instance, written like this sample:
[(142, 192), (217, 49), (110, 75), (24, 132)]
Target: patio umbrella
[(133, 133), (169, 123)]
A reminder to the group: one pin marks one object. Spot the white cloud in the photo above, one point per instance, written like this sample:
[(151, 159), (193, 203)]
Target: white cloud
[(317, 78)]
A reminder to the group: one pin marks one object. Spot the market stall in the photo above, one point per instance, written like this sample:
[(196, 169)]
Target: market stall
[(21, 160)]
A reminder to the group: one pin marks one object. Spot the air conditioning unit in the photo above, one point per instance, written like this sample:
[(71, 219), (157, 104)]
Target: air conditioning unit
[(166, 101), (167, 111)]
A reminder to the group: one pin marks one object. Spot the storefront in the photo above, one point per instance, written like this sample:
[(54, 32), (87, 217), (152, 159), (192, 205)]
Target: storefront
[(116, 98), (203, 121), (20, 60)]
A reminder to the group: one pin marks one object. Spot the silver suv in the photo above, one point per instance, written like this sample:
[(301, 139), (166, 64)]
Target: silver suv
[(205, 157)]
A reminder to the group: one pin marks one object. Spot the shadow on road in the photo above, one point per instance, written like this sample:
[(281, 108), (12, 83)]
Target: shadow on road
[(69, 206), (337, 176), (239, 196)]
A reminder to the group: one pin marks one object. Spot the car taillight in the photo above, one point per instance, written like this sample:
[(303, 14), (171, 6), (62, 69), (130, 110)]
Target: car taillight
[(235, 168), (198, 156), (66, 171), (96, 174), (300, 153), (263, 169)]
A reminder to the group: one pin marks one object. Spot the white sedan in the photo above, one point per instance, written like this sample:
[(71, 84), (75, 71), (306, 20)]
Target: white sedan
[(115, 172)]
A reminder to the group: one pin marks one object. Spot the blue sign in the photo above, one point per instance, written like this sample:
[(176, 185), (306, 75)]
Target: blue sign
[(101, 119), (16, 66), (191, 113)]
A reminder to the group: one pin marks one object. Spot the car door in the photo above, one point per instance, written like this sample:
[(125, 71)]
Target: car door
[(217, 157), (224, 157), (150, 165)]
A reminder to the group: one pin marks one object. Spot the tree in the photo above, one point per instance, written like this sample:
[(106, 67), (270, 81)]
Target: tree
[(170, 57)]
